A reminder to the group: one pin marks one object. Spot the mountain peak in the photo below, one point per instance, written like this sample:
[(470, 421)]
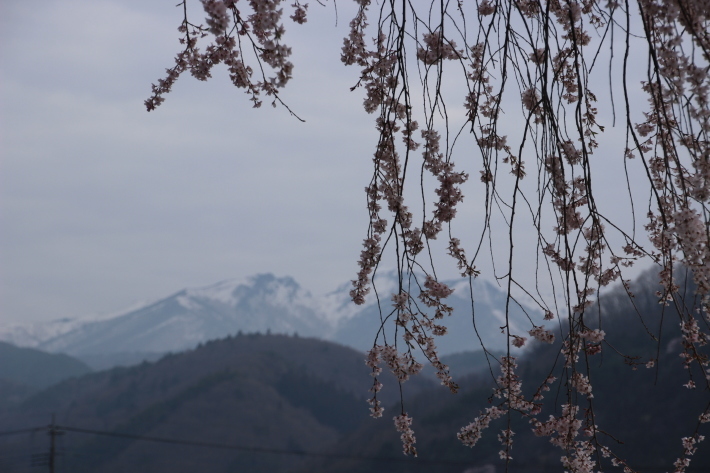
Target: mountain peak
[(178, 322)]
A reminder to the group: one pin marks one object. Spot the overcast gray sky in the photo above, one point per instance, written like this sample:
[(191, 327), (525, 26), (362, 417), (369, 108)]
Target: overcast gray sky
[(104, 205)]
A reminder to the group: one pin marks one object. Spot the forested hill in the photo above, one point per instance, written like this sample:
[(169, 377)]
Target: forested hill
[(261, 391)]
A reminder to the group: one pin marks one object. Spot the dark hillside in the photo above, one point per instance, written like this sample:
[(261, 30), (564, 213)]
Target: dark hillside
[(262, 391), (36, 368), (24, 371)]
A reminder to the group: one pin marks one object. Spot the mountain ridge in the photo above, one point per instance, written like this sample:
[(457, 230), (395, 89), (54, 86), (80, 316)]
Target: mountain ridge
[(266, 303)]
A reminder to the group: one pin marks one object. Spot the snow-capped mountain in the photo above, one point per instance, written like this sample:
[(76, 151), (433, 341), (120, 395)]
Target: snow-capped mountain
[(191, 316), (467, 330), (267, 303)]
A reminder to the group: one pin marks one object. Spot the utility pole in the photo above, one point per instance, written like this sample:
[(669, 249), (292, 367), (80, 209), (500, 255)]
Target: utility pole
[(54, 432)]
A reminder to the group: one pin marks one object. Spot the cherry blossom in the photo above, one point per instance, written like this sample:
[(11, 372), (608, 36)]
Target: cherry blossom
[(534, 64)]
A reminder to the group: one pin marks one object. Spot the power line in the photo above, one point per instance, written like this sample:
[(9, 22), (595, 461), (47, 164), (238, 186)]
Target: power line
[(58, 430), (275, 451), (22, 431), (266, 450)]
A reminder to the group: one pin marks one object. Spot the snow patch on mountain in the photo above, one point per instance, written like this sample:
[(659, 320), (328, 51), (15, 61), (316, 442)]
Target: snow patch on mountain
[(223, 291), (32, 334)]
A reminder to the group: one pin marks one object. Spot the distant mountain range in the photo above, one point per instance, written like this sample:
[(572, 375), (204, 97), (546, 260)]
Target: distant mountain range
[(256, 402), (263, 303)]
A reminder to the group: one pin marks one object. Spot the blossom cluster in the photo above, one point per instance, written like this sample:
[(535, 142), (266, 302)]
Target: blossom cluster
[(539, 333), (403, 424), (436, 48), (689, 449), (260, 27), (472, 433)]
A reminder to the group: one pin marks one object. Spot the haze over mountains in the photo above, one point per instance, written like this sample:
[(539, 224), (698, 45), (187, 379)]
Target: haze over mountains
[(263, 303)]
